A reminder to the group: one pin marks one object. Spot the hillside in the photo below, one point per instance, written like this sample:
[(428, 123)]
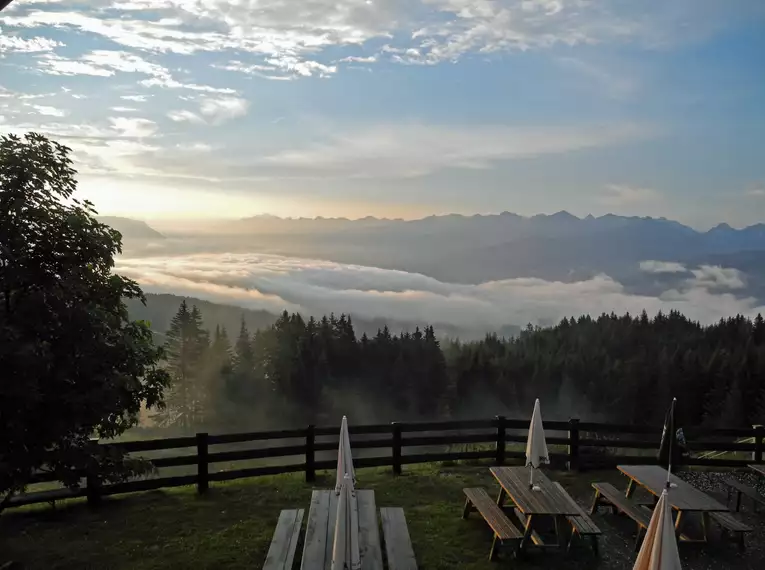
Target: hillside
[(130, 228)]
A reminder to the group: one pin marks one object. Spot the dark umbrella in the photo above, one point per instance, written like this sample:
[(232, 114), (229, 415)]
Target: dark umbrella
[(670, 449), (4, 3)]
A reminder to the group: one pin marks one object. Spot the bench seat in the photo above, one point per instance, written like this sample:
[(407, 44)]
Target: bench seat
[(503, 528), (281, 553), (398, 544), (608, 495)]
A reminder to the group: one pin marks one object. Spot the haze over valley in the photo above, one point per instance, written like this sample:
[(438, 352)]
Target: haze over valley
[(467, 275)]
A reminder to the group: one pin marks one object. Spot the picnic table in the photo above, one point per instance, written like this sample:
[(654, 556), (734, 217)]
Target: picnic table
[(320, 531), (549, 502), (683, 497), (759, 469)]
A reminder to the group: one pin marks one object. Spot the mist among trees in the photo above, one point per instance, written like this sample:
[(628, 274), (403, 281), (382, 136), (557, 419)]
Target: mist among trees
[(611, 368)]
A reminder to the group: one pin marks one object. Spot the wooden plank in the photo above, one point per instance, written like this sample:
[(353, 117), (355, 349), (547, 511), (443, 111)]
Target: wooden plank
[(581, 522), (502, 526), (684, 497), (314, 548), (369, 533), (398, 544), (329, 545), (549, 500), (613, 496), (759, 469), (729, 522), (281, 552)]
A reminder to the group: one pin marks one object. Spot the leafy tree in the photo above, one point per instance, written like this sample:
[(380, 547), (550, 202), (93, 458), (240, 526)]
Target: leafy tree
[(73, 365)]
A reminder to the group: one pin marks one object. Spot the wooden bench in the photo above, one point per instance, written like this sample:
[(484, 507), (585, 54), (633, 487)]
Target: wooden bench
[(734, 485), (608, 495), (731, 524), (398, 545), (582, 525), (281, 553), (504, 530), (50, 496)]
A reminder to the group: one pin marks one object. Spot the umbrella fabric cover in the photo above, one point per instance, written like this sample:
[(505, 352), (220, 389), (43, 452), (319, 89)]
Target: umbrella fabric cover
[(659, 550), (344, 459), (345, 550), (670, 449), (536, 446)]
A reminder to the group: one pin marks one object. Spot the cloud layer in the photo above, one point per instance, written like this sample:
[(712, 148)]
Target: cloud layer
[(275, 283)]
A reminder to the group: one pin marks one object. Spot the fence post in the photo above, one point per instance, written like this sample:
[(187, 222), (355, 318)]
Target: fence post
[(203, 477), (573, 444), (758, 433), (500, 440), (93, 479), (93, 486), (310, 454), (396, 447)]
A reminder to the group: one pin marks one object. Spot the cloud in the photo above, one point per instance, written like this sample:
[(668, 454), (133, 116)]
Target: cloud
[(9, 43), (616, 84), (224, 109), (212, 111), (48, 111), (413, 150), (185, 116), (124, 109), (756, 193), (428, 31), (275, 282), (133, 127), (662, 267), (358, 59), (622, 194), (715, 277), (136, 98)]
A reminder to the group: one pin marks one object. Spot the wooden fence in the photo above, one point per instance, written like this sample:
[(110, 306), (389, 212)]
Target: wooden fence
[(574, 445)]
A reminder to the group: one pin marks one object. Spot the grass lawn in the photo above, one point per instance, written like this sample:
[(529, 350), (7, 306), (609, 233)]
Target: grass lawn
[(231, 526)]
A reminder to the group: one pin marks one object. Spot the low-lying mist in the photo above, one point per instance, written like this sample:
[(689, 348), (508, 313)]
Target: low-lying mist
[(309, 286)]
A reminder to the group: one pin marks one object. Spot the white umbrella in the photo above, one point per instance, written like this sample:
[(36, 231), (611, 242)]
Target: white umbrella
[(345, 550), (659, 550), (536, 446), (344, 459)]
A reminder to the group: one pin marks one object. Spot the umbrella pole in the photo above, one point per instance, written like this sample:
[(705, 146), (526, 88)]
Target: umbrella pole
[(531, 476)]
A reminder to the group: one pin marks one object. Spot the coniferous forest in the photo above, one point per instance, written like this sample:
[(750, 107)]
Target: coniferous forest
[(612, 368)]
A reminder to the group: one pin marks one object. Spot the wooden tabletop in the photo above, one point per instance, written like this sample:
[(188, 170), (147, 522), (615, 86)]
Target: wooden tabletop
[(549, 500), (759, 469), (320, 531), (682, 496)]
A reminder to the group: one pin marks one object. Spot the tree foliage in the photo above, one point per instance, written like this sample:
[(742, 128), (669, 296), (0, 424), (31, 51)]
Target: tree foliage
[(72, 364), (610, 368)]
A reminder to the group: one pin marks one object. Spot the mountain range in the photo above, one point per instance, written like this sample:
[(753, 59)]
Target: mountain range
[(480, 248)]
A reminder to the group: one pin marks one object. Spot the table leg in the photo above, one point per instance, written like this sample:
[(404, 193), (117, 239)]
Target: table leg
[(705, 525), (559, 523), (679, 521), (526, 532), (630, 489), (501, 496)]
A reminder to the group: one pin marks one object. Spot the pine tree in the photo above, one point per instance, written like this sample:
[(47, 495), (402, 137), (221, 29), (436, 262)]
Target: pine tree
[(186, 343)]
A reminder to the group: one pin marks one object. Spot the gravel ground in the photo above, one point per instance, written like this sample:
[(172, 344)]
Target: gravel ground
[(617, 540)]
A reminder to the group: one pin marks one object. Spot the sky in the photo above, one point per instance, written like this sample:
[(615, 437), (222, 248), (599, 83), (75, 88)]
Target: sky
[(400, 108)]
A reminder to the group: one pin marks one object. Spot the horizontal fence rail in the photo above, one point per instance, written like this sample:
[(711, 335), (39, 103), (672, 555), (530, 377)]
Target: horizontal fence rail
[(574, 445)]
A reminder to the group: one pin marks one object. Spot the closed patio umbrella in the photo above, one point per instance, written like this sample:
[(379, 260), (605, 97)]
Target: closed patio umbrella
[(659, 550), (345, 550), (536, 446), (344, 458)]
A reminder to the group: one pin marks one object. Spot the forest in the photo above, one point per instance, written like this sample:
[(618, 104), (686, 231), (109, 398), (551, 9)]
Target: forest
[(609, 368)]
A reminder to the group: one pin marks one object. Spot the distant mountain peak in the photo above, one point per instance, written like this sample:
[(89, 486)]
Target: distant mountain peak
[(131, 228), (722, 227)]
